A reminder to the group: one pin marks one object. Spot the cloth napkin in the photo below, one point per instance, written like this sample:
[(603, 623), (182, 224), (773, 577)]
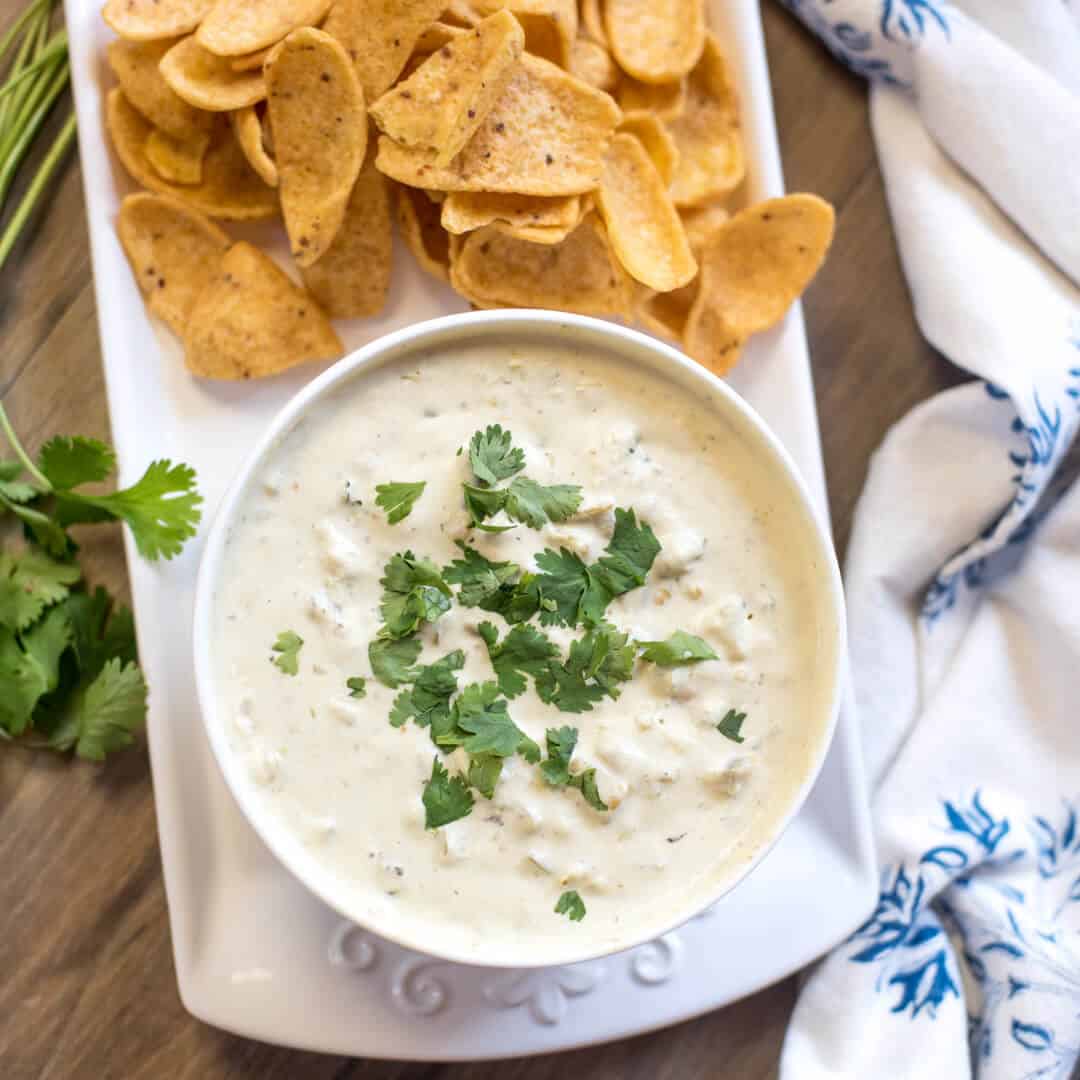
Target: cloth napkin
[(963, 572)]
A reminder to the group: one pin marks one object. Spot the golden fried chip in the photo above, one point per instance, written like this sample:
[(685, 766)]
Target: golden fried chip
[(656, 139), (379, 36), (550, 25), (711, 162), (241, 27), (177, 160), (535, 234), (459, 13), (643, 225), (353, 275), (464, 211), (424, 236), (252, 61), (580, 274), (435, 37), (665, 100), (753, 268), (250, 320), (207, 81), (592, 22), (700, 223), (592, 63), (149, 20), (440, 106), (546, 135), (248, 129), (320, 136), (229, 188), (665, 313), (135, 65), (173, 251), (655, 41)]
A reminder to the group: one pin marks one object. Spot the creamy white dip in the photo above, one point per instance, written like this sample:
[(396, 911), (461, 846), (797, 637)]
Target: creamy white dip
[(688, 806)]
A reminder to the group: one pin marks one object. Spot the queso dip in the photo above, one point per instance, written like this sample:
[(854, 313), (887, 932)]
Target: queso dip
[(685, 755)]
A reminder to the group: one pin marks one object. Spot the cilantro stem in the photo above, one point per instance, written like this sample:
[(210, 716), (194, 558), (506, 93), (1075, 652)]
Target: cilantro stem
[(23, 456), (37, 186)]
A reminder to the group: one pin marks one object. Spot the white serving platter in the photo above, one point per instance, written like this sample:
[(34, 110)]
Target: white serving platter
[(256, 953)]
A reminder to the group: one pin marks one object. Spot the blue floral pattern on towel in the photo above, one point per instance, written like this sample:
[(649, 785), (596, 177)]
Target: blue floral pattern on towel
[(983, 918)]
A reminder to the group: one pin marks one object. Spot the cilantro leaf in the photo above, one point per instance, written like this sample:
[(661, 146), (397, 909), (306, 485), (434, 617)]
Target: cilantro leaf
[(42, 529), (679, 649), (357, 686), (484, 584), (109, 712), (731, 725), (392, 660), (68, 462), (560, 748), (524, 651), (629, 555), (161, 509), (535, 505), (428, 702), (567, 690), (30, 669), (484, 773), (29, 583), (483, 504), (398, 499), (446, 798), (287, 647), (483, 726), (413, 592), (571, 905), (605, 655), (11, 487), (493, 457), (562, 584), (586, 783)]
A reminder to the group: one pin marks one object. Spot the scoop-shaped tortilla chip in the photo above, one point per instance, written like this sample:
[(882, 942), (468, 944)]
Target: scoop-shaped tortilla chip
[(149, 20), (250, 320), (229, 188), (248, 129), (535, 234), (700, 223), (353, 275), (173, 251), (656, 41), (135, 65), (440, 106), (422, 232), (207, 81), (320, 136), (177, 160), (550, 25), (546, 135), (665, 100), (665, 313), (241, 27), (592, 64), (252, 61), (753, 268), (581, 274), (464, 211), (592, 22), (643, 225), (379, 36), (707, 133), (435, 37), (656, 139)]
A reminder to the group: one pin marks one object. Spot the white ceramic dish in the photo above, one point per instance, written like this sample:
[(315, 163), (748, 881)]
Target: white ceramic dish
[(255, 952), (817, 564)]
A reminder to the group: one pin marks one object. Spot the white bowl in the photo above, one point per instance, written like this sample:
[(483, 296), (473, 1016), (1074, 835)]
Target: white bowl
[(532, 325)]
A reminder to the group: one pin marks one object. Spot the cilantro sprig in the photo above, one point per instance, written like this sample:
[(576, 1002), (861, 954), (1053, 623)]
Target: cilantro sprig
[(555, 768), (731, 725), (414, 592), (676, 651), (161, 509), (446, 798), (287, 648), (398, 499), (571, 905)]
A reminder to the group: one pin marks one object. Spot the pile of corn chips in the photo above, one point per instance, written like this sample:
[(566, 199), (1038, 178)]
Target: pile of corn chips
[(578, 156)]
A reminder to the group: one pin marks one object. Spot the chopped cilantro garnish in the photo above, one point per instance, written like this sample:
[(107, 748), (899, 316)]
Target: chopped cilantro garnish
[(571, 905), (287, 647), (535, 505), (493, 457), (446, 798), (482, 725), (524, 651), (560, 748), (731, 725), (357, 686), (484, 584), (483, 503), (484, 773), (604, 655), (392, 659), (629, 556), (586, 783), (413, 592), (428, 701), (681, 648), (398, 499)]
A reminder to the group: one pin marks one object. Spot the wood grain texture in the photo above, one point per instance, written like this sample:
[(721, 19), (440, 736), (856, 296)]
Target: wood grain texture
[(88, 988)]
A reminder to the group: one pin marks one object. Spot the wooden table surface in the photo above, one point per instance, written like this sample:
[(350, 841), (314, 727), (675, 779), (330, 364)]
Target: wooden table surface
[(87, 987)]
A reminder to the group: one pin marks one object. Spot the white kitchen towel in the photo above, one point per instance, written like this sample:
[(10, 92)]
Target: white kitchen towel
[(963, 572)]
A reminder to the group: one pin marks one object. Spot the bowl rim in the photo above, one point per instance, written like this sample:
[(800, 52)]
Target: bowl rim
[(283, 842)]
